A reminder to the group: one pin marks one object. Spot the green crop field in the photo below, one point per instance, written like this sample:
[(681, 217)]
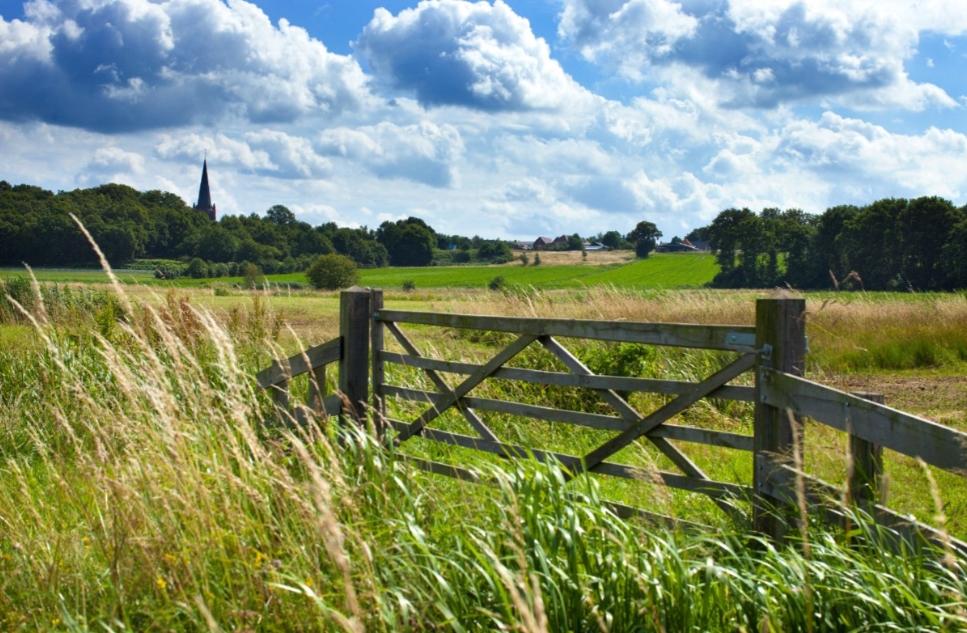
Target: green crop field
[(658, 271)]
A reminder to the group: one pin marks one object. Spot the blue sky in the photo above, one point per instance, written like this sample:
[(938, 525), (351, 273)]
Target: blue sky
[(509, 119)]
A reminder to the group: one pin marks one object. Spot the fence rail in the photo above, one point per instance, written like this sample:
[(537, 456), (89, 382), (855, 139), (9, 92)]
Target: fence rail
[(773, 351)]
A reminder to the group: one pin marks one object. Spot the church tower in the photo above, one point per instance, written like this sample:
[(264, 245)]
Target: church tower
[(205, 195)]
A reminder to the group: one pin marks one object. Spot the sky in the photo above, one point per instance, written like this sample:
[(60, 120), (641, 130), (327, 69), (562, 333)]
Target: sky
[(508, 119)]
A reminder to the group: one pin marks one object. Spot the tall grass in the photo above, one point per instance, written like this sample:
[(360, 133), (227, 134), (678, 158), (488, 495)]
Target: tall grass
[(140, 490)]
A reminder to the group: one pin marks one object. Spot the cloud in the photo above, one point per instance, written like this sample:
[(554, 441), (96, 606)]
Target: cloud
[(765, 54), (266, 152), (125, 65), (111, 164), (424, 153), (843, 149), (477, 55)]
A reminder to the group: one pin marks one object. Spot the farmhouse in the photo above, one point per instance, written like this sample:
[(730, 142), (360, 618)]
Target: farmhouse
[(679, 247), (204, 203)]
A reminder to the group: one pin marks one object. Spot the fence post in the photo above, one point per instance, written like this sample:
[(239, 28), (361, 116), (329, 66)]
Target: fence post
[(379, 367), (865, 487), (781, 343), (354, 315)]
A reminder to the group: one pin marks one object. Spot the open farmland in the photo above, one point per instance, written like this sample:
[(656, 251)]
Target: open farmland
[(139, 486)]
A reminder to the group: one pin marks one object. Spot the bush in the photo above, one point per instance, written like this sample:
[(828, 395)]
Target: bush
[(537, 259), (524, 260), (409, 285), (197, 268), (251, 275), (332, 272), (497, 283)]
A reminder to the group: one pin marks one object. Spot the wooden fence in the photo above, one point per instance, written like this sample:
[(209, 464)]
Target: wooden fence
[(773, 351)]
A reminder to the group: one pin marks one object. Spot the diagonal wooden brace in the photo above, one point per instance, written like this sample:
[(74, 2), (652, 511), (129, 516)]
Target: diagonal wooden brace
[(673, 408), (625, 410), (631, 414), (465, 387), (441, 384)]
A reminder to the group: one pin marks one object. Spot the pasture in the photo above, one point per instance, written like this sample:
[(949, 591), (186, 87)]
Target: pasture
[(139, 487)]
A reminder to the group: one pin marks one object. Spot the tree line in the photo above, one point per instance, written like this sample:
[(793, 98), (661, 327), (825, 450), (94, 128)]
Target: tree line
[(36, 228), (891, 244)]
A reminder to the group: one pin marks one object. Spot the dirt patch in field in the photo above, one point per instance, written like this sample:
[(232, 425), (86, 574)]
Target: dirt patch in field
[(939, 398), (569, 258)]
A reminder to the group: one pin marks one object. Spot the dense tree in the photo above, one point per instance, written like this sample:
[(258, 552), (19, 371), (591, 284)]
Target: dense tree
[(925, 226), (645, 237), (495, 252), (332, 272), (870, 242), (409, 242), (612, 239), (725, 236)]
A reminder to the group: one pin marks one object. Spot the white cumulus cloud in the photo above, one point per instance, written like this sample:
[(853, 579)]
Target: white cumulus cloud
[(478, 55)]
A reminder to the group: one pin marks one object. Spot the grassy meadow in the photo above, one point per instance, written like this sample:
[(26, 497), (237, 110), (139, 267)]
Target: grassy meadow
[(140, 488)]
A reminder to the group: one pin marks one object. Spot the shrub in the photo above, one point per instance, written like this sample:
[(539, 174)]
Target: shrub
[(332, 272), (537, 259), (409, 285), (197, 268), (251, 276), (523, 259), (497, 283)]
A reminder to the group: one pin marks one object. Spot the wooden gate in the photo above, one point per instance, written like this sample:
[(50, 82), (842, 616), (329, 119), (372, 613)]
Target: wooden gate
[(624, 420), (773, 351)]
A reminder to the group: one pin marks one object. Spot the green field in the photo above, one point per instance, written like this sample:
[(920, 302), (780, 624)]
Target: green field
[(658, 271)]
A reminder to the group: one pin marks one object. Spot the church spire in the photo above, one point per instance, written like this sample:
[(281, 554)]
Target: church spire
[(205, 195)]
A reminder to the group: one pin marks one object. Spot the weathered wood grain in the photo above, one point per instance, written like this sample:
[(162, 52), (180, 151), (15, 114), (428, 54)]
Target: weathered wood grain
[(682, 433), (560, 379), (673, 408), (286, 369), (670, 334), (465, 387), (780, 334), (708, 487), (354, 318), (440, 383), (904, 433)]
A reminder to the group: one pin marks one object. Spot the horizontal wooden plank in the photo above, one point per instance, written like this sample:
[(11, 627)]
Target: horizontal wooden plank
[(904, 433), (282, 370), (547, 414), (670, 334), (590, 420), (715, 489), (723, 439), (562, 379)]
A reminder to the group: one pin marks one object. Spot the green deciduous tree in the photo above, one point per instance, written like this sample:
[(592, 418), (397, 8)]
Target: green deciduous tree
[(645, 237), (332, 272), (925, 226), (409, 242)]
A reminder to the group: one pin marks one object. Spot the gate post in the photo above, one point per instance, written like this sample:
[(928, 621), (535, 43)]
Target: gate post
[(781, 343), (866, 474), (379, 367), (354, 315)]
